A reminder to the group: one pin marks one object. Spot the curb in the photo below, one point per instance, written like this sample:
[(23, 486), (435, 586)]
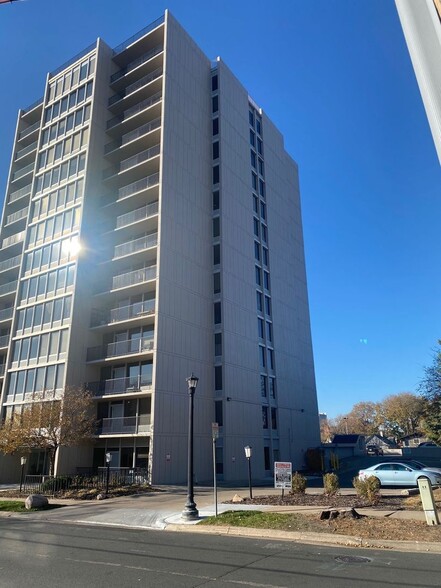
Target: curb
[(309, 537)]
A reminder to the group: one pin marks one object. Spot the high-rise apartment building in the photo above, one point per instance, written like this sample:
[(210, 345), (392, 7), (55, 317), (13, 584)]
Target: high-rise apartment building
[(421, 22), (151, 229)]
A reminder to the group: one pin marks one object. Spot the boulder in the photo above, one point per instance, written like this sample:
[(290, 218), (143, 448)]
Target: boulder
[(101, 497), (36, 501), (237, 498)]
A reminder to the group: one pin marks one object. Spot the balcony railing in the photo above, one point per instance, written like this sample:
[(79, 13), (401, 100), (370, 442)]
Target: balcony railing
[(29, 130), (26, 150), (134, 110), (157, 73), (4, 340), (134, 277), (22, 172), (6, 313), (19, 193), (10, 263), (119, 348), (8, 288), (16, 216), (138, 186), (139, 214), (136, 245), (132, 161), (125, 425), (13, 239), (2, 369), (139, 132), (120, 385), (124, 313), (136, 63), (153, 25)]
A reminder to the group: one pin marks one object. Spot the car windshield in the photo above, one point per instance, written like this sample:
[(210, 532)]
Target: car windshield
[(417, 465)]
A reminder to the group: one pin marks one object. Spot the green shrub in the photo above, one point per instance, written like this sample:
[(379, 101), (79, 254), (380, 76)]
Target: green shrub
[(330, 484), (56, 484), (298, 484), (368, 489)]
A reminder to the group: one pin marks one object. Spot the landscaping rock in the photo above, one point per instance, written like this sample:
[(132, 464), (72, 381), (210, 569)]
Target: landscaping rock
[(101, 497), (237, 498), (36, 501), (333, 513)]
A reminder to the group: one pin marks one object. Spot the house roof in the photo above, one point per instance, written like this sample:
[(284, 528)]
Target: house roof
[(348, 439)]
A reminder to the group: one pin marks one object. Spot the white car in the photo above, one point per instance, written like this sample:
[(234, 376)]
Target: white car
[(400, 474)]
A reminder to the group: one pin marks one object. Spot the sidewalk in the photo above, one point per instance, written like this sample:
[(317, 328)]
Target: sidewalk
[(162, 510)]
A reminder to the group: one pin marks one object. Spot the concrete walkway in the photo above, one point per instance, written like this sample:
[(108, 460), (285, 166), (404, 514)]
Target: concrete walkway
[(162, 510)]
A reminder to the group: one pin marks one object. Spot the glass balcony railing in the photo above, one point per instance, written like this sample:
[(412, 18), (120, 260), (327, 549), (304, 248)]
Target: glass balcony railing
[(136, 63), (125, 425), (26, 150), (134, 110), (128, 137), (138, 186), (123, 313), (6, 313), (132, 161), (120, 385), (13, 239), (10, 263), (154, 75), (137, 215), (22, 172), (16, 216), (136, 245), (29, 130), (8, 288), (4, 340), (134, 277), (2, 369), (120, 348), (19, 194)]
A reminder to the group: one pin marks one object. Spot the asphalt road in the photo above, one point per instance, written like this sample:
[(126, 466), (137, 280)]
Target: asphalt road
[(49, 555)]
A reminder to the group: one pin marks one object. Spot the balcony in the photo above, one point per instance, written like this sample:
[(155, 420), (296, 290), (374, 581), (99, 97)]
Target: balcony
[(120, 348), (138, 186), (26, 150), (124, 313), (136, 63), (128, 385), (16, 216), (19, 194), (13, 239), (130, 162), (135, 246), (9, 288), (125, 425), (28, 130), (2, 369), (11, 263), (134, 110), (6, 314), (135, 216), (4, 341), (22, 172), (132, 88)]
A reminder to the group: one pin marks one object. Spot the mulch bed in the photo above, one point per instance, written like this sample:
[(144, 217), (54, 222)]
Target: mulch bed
[(320, 500)]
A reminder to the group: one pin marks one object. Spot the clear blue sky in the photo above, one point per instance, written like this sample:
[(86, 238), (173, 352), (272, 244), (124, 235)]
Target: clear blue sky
[(336, 78)]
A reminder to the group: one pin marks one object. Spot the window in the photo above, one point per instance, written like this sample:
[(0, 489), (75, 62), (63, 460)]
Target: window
[(258, 125), (218, 377), (266, 282), (216, 227), (273, 418), (259, 300), (218, 413), (263, 210), (269, 332), (259, 146), (264, 234), (216, 283), (268, 305), (254, 181), (271, 359), (261, 167), (216, 150), (217, 344), (263, 388), (260, 328), (265, 417), (251, 117), (216, 200), (216, 254), (265, 255), (257, 250), (252, 138), (262, 360), (216, 174), (258, 276), (214, 104), (255, 204), (214, 83), (256, 227), (262, 188), (253, 159), (217, 313), (272, 387), (215, 126)]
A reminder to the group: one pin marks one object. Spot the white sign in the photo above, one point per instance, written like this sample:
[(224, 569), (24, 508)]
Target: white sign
[(283, 474)]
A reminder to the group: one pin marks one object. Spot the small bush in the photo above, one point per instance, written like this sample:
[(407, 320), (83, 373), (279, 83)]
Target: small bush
[(368, 489), (56, 484), (330, 484), (298, 484)]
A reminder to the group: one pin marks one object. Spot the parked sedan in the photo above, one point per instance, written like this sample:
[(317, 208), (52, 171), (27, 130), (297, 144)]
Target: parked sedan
[(423, 466), (400, 474)]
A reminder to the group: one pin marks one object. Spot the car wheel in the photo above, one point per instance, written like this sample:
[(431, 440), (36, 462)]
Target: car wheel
[(424, 478), (379, 483)]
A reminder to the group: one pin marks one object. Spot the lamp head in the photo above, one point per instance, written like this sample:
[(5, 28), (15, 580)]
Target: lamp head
[(248, 451), (192, 382)]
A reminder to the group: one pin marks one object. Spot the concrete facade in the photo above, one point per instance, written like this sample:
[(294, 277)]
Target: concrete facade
[(177, 231)]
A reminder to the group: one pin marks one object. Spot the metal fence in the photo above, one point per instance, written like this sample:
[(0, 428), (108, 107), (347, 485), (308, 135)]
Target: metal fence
[(84, 479)]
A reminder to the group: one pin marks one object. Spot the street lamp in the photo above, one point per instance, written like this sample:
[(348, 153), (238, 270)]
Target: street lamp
[(108, 460), (248, 454), (23, 463), (190, 512)]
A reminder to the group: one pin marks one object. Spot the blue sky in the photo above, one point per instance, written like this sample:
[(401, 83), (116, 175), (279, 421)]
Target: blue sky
[(336, 78)]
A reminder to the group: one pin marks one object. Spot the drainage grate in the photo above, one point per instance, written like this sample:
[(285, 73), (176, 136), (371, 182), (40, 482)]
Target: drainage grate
[(352, 559)]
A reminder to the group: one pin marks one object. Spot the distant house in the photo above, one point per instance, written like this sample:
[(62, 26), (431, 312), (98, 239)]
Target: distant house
[(356, 442), (380, 441), (413, 440)]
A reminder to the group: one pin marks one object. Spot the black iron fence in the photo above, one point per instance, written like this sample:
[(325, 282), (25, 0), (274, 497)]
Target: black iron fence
[(84, 479)]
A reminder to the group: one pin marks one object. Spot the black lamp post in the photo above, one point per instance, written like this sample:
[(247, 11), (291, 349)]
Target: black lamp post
[(108, 460), (190, 512), (248, 454), (23, 463)]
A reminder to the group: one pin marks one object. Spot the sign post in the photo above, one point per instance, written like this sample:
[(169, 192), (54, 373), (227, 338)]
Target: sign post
[(214, 435), (283, 475), (428, 501)]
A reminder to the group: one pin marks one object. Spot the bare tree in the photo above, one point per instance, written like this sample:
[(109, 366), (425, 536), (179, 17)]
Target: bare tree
[(66, 421)]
